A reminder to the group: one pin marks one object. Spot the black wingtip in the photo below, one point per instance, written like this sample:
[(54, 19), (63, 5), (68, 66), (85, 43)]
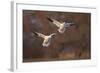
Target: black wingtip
[(35, 33), (50, 19)]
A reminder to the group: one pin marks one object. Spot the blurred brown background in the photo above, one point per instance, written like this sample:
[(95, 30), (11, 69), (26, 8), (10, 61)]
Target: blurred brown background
[(73, 44)]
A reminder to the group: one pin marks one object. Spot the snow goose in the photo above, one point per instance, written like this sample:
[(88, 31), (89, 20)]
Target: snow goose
[(47, 38), (61, 26)]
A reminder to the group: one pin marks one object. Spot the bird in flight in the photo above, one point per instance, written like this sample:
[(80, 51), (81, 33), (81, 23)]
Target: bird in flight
[(61, 26), (47, 38)]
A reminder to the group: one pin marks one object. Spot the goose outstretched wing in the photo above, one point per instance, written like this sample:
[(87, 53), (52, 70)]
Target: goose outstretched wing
[(52, 34), (57, 23), (39, 34)]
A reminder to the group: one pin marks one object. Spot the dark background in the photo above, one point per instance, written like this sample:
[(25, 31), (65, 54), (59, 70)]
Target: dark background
[(73, 44)]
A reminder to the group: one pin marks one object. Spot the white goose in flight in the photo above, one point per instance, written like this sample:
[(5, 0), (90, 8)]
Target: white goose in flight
[(47, 38), (62, 26)]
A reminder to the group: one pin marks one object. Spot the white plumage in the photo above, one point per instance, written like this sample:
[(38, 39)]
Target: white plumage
[(47, 38), (61, 26)]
